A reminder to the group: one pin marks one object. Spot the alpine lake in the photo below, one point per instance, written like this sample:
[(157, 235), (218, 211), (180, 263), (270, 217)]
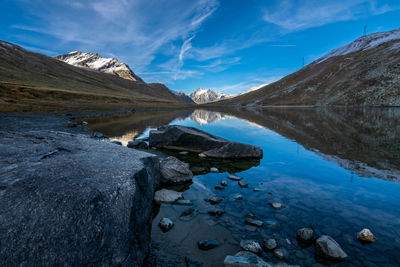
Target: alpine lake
[(335, 170)]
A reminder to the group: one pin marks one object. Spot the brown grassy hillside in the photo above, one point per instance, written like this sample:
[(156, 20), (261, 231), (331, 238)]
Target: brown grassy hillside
[(35, 82)]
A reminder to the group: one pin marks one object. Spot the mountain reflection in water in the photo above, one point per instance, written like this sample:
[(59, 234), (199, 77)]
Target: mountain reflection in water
[(365, 141)]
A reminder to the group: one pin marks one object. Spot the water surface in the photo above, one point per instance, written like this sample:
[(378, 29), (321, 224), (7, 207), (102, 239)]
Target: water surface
[(336, 170)]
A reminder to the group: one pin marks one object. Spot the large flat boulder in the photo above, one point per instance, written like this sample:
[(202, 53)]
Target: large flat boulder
[(70, 200), (183, 138)]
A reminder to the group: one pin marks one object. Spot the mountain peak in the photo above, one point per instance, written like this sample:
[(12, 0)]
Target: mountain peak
[(201, 96), (94, 61)]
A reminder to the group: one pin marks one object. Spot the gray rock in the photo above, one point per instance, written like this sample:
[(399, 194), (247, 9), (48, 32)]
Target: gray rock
[(271, 223), (234, 177), (277, 205), (254, 222), (187, 212), (216, 212), (252, 246), (97, 135), (116, 142), (281, 253), (167, 196), (217, 187), (305, 235), (256, 189), (89, 202), (224, 183), (213, 169), (245, 259), (174, 171), (327, 248), (250, 215), (84, 123), (207, 244), (213, 200), (139, 144), (183, 202), (243, 184), (238, 197), (201, 155), (191, 139), (269, 244), (166, 224), (366, 236)]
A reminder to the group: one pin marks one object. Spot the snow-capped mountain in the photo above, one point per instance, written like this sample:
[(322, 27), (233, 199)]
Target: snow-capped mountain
[(96, 62), (201, 96)]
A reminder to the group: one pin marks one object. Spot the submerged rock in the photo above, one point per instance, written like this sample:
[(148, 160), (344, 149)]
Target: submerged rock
[(213, 200), (243, 184), (327, 248), (216, 212), (281, 253), (366, 236), (252, 246), (234, 177), (174, 171), (305, 235), (187, 212), (166, 224), (217, 187), (192, 262), (238, 197), (183, 202), (207, 244), (269, 244), (191, 139), (245, 259), (116, 142), (167, 196), (277, 205), (254, 222), (224, 183), (89, 202)]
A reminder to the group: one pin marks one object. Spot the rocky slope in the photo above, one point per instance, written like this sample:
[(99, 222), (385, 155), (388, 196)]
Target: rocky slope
[(35, 82), (364, 72), (201, 96), (96, 62)]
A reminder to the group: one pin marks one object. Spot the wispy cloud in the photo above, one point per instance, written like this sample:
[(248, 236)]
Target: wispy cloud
[(293, 15)]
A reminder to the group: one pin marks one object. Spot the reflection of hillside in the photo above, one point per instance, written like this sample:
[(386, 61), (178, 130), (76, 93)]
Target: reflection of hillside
[(366, 141), (201, 116), (128, 127)]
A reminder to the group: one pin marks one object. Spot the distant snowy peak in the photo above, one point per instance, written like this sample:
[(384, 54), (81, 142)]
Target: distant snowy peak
[(202, 96), (366, 42), (96, 62)]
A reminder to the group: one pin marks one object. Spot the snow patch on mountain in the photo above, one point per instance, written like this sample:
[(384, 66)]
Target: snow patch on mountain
[(364, 43), (201, 96), (96, 62)]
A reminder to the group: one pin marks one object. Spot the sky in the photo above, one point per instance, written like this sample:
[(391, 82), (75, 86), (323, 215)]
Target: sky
[(225, 45)]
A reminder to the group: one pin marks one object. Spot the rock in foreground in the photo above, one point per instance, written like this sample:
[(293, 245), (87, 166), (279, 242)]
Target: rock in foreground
[(366, 236), (167, 196), (72, 200), (245, 259), (191, 139), (327, 248), (174, 171)]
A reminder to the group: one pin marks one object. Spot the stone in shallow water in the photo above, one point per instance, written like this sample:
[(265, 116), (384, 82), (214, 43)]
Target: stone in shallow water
[(183, 153), (366, 236), (166, 224), (256, 190), (238, 197), (281, 253), (224, 183), (245, 259), (305, 235), (234, 177), (250, 215), (277, 205), (207, 244), (187, 212), (217, 187), (252, 246), (269, 244), (257, 223), (201, 155), (174, 171), (216, 212), (183, 202), (167, 196), (140, 144), (327, 248), (213, 200), (271, 223), (243, 184), (116, 142), (213, 169)]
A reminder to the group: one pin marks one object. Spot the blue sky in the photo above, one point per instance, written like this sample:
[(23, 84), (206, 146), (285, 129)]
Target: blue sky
[(225, 45)]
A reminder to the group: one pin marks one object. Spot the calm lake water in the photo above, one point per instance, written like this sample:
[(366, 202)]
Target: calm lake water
[(336, 170)]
